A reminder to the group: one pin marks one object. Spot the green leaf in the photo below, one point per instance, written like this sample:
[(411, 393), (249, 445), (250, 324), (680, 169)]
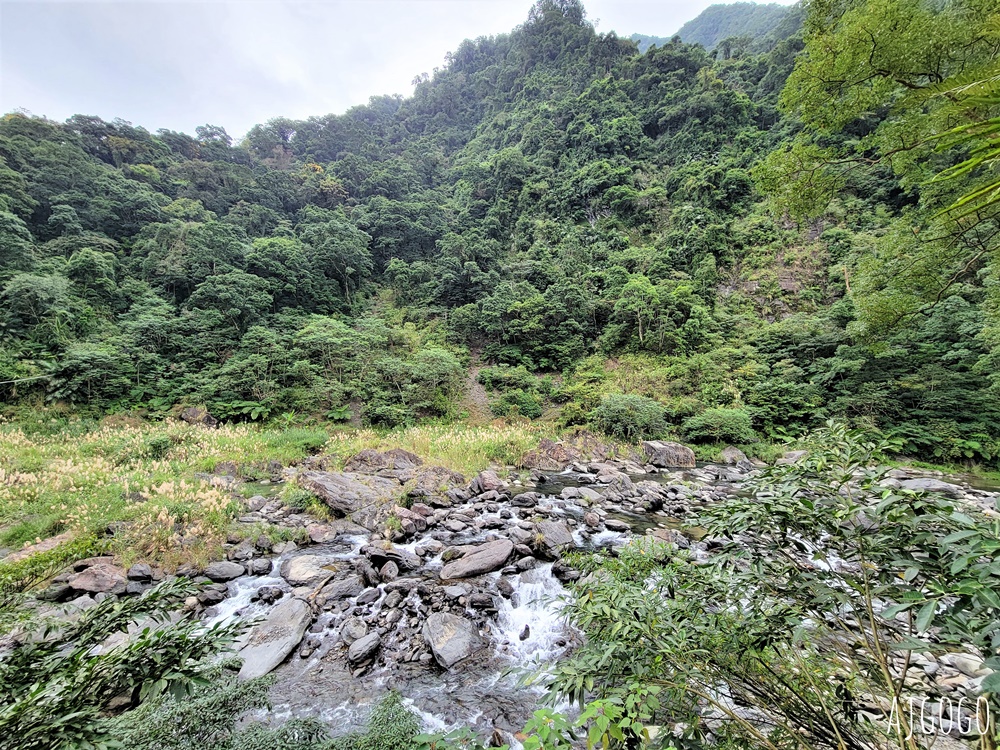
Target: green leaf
[(926, 616)]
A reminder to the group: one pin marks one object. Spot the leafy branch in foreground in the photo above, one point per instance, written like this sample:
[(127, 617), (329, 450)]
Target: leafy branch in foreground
[(824, 582), (59, 678)]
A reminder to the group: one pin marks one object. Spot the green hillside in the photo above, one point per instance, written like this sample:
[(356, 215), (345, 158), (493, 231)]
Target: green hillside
[(577, 217)]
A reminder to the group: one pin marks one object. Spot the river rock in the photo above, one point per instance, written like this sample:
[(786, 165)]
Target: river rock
[(353, 629), (267, 645), (382, 553), (102, 578), (550, 456), (347, 493), (364, 648), (344, 588), (260, 567), (926, 484), (370, 461), (306, 570), (487, 481), (483, 559), (967, 664), (555, 538), (389, 572), (451, 638), (731, 455), (224, 571), (668, 455), (140, 572)]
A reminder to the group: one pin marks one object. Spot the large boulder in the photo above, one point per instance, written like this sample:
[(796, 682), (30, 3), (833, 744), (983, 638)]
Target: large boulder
[(553, 538), (731, 455), (306, 570), (348, 493), (487, 481), (550, 456), (224, 571), (102, 578), (482, 559), (364, 648), (267, 645), (370, 461), (199, 415), (383, 552), (451, 638), (668, 455), (926, 484)]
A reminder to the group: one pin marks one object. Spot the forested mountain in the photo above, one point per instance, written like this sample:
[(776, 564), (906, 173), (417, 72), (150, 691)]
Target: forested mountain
[(550, 200), (718, 22)]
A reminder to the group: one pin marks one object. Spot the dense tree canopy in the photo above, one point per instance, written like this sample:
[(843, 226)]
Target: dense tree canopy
[(675, 224)]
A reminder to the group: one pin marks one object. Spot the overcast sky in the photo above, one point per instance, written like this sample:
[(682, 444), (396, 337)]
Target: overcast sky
[(181, 64)]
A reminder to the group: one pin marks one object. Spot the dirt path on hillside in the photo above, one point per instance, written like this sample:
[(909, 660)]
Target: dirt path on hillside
[(475, 401)]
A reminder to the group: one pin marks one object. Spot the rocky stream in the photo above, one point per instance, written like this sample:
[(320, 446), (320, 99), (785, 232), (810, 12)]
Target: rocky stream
[(443, 589)]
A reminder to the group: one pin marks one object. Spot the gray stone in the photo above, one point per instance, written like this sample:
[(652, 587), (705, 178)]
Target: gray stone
[(487, 481), (926, 484), (731, 455), (347, 493), (260, 567), (389, 571), (668, 455), (483, 559), (451, 638), (306, 570), (344, 588), (140, 572), (99, 578), (353, 629), (613, 524), (382, 553), (267, 645), (791, 457), (364, 648), (555, 537), (224, 571), (369, 596)]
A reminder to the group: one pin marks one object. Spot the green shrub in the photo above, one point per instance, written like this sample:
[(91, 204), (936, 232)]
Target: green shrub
[(506, 378), (720, 426), (629, 417), (517, 403)]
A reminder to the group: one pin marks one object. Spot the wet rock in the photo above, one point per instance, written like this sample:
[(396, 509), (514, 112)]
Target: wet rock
[(389, 571), (592, 520), (369, 596), (451, 638), (668, 455), (135, 588), (380, 554), (525, 634), (267, 594), (552, 538), (505, 588), (99, 578), (346, 493), (483, 559), (267, 645), (364, 648), (306, 570), (613, 524), (208, 597), (58, 592), (353, 629), (345, 588), (526, 500), (260, 567), (224, 571), (564, 572), (140, 572), (429, 547)]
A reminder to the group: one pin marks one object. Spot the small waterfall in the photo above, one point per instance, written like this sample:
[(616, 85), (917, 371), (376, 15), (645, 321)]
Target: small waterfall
[(536, 605)]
